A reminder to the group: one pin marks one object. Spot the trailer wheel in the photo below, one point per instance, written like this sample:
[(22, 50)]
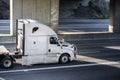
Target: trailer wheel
[(7, 63), (64, 58)]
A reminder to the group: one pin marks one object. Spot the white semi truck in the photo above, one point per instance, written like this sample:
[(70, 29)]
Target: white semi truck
[(38, 43)]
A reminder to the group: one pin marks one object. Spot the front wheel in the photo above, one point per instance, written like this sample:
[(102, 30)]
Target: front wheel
[(64, 58), (7, 63)]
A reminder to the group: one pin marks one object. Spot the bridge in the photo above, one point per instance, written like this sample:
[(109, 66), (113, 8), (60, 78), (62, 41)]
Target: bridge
[(46, 11)]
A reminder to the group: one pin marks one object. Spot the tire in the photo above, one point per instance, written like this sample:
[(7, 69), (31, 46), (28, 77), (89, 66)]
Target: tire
[(64, 58), (7, 63)]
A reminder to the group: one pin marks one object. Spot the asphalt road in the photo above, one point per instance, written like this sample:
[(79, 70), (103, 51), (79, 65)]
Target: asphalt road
[(96, 60), (4, 27), (75, 73), (77, 25), (68, 26)]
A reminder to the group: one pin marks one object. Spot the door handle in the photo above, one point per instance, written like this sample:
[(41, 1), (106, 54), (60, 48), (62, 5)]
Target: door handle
[(49, 50)]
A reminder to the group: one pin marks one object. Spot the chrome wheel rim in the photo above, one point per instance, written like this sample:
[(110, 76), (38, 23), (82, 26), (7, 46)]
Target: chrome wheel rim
[(64, 59), (7, 63)]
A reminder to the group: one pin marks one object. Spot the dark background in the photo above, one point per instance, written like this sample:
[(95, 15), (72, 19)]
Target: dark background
[(4, 9), (84, 9)]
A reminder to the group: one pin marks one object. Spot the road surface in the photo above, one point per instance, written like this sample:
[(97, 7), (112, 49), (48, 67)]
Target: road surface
[(77, 25), (96, 60), (4, 27), (68, 26)]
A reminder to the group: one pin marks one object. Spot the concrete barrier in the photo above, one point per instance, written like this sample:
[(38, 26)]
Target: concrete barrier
[(7, 39), (89, 36)]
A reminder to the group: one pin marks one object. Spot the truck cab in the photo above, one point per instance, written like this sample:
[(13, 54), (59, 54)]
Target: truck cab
[(38, 43)]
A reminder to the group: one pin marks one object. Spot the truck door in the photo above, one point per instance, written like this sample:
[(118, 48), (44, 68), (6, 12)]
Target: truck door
[(54, 46), (53, 49)]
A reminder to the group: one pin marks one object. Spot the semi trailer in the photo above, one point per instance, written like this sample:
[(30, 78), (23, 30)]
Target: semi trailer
[(37, 43)]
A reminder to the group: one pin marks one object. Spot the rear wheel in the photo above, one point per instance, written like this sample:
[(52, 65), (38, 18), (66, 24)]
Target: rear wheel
[(64, 58), (7, 63)]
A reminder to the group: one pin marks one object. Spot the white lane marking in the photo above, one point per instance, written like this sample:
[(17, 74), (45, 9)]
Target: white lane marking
[(2, 78), (113, 47), (60, 67)]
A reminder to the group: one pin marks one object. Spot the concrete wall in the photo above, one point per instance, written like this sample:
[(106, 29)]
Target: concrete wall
[(116, 19), (45, 11), (115, 16), (111, 26)]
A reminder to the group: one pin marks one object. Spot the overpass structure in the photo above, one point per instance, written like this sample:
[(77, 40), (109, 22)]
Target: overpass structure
[(47, 12)]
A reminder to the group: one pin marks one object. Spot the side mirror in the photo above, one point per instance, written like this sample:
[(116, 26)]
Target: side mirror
[(62, 40)]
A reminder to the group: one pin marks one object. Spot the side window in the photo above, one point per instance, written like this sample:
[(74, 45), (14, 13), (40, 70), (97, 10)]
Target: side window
[(34, 29), (53, 40)]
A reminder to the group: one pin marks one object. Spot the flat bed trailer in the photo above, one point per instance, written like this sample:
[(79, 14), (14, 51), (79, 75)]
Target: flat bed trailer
[(6, 60)]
